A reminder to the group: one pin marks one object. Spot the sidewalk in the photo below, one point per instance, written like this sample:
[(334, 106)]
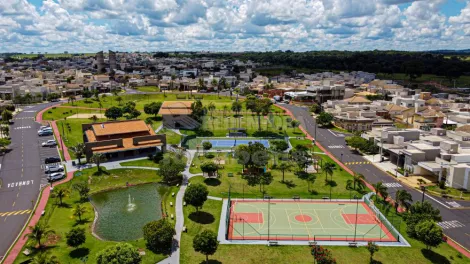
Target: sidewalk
[(385, 166)]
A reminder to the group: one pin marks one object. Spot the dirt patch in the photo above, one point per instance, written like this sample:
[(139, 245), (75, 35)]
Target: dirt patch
[(83, 116), (414, 180)]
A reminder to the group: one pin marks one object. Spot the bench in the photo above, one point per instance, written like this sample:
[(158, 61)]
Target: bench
[(353, 244), (296, 197), (326, 198), (273, 243), (312, 243)]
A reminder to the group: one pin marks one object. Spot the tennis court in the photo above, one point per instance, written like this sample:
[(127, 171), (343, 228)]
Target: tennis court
[(306, 220), (228, 143)]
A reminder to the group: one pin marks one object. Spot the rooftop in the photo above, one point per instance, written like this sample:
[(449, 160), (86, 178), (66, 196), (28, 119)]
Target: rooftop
[(176, 108), (123, 127)]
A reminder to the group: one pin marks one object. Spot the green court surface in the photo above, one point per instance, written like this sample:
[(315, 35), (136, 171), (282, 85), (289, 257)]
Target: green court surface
[(224, 143), (306, 220)]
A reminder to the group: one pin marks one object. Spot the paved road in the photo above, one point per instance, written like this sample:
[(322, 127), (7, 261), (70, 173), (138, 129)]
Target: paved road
[(21, 174), (455, 221)]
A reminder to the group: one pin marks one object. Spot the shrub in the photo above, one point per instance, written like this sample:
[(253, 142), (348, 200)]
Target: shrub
[(209, 155), (122, 253), (159, 235)]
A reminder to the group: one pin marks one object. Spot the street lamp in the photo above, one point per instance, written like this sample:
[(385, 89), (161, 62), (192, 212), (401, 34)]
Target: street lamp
[(341, 157), (423, 188)]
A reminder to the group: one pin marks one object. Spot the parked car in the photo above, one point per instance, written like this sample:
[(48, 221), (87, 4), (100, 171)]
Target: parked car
[(45, 133), (49, 143), (54, 168), (56, 176), (43, 127), (52, 160)]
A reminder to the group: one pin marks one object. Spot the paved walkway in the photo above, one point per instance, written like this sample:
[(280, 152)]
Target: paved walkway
[(60, 142)]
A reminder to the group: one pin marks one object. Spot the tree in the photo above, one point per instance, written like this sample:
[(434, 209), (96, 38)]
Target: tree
[(6, 116), (113, 113), (60, 193), (358, 180), (236, 107), (295, 124), (196, 195), (429, 233), (261, 106), (198, 110), (38, 232), (372, 248), (44, 258), (206, 145), (279, 145), (265, 179), (82, 188), (206, 243), (78, 211), (381, 190), (413, 69), (170, 168), (211, 107), (93, 118), (119, 100), (72, 99), (97, 158), (284, 166), (122, 253), (153, 108), (253, 155), (76, 237), (419, 212), (403, 198), (209, 167), (78, 150), (159, 235), (324, 119), (4, 143), (328, 168)]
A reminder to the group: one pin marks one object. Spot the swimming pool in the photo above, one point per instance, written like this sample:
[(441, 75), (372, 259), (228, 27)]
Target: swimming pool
[(228, 143)]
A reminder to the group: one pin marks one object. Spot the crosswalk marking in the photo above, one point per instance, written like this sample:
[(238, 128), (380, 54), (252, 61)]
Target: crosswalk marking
[(20, 212), (24, 127), (392, 185), (336, 146), (450, 224), (357, 162), (18, 118), (454, 204)]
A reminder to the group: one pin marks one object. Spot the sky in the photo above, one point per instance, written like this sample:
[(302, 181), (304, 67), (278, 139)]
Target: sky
[(56, 26)]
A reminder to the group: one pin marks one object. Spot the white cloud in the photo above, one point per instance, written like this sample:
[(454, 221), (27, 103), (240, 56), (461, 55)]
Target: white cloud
[(92, 25)]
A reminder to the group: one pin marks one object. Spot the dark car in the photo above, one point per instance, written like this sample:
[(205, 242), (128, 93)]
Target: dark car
[(52, 160)]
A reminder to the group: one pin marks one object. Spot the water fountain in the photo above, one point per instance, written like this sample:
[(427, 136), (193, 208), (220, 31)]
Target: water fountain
[(130, 205), (123, 212)]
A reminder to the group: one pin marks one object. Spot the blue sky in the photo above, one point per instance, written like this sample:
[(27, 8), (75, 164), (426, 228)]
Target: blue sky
[(232, 25)]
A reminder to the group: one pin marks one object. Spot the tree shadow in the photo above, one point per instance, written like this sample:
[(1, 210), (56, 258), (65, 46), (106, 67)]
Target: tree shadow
[(79, 253), (373, 261), (211, 261), (313, 192), (289, 184), (202, 217), (212, 182), (83, 221), (63, 205), (331, 183), (99, 173), (434, 257)]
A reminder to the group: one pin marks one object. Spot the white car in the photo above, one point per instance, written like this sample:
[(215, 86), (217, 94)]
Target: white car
[(56, 176), (46, 129), (54, 168), (49, 143)]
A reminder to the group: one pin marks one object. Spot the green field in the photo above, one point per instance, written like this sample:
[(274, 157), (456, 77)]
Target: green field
[(57, 113), (140, 163), (147, 88), (61, 220), (292, 185)]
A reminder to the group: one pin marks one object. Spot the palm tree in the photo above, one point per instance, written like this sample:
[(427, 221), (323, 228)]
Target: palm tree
[(225, 109), (284, 166), (79, 149), (97, 158), (60, 193), (71, 99), (119, 100), (381, 190), (403, 198), (211, 107), (358, 179), (38, 232), (100, 105), (78, 211), (44, 258), (214, 84), (93, 118), (328, 168)]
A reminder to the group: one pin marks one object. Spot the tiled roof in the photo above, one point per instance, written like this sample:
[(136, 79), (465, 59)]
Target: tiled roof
[(124, 127), (357, 99), (176, 108)]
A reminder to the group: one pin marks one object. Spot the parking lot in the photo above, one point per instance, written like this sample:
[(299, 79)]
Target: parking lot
[(45, 152)]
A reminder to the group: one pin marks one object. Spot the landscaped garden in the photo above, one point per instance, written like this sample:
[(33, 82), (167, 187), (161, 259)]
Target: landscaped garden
[(69, 208)]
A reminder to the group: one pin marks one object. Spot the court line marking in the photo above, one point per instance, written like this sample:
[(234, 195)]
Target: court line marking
[(288, 219), (308, 231)]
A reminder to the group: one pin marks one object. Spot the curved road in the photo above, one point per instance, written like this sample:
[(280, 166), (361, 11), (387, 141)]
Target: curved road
[(455, 213), (21, 174)]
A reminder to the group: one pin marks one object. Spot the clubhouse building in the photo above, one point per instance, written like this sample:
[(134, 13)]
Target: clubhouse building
[(120, 139), (177, 114)]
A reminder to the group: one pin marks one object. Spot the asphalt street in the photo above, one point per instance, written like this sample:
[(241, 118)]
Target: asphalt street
[(21, 174), (455, 213)]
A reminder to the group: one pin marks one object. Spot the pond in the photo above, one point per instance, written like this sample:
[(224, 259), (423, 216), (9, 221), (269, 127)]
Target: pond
[(122, 213)]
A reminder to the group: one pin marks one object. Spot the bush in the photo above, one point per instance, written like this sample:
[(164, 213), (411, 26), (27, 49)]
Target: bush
[(279, 145), (76, 237), (157, 157), (122, 253), (209, 155)]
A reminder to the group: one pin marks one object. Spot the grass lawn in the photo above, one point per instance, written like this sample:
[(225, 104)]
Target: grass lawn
[(140, 163), (171, 137), (57, 113), (147, 88), (450, 191), (60, 218), (306, 142), (292, 185), (234, 254)]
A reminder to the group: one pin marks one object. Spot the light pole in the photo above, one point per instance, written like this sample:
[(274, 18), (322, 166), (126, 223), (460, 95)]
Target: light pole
[(423, 188), (341, 157), (355, 222)]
